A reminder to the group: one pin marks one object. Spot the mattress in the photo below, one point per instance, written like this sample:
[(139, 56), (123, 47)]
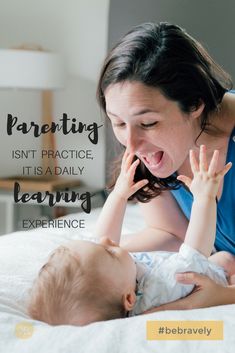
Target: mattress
[(21, 256)]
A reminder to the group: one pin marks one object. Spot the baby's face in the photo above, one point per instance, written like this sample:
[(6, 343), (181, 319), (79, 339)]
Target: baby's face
[(115, 262)]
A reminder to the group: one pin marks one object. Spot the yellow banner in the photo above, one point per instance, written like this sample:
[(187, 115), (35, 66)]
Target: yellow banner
[(185, 330)]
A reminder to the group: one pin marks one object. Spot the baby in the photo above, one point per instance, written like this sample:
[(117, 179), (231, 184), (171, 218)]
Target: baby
[(85, 281)]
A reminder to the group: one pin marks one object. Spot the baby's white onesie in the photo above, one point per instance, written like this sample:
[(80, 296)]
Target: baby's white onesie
[(156, 275)]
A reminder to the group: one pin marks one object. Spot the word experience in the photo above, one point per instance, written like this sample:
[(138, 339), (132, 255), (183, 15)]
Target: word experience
[(66, 126), (55, 223)]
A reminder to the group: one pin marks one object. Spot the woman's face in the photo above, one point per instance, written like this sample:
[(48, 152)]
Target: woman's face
[(151, 126)]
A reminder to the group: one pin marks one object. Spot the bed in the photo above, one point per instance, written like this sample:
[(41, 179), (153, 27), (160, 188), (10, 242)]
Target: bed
[(21, 256)]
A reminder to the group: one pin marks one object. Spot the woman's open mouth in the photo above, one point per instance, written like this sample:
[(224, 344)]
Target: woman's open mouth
[(153, 160)]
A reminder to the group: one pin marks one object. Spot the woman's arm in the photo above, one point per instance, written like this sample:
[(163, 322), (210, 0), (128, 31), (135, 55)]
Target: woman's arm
[(207, 293), (166, 226), (150, 239)]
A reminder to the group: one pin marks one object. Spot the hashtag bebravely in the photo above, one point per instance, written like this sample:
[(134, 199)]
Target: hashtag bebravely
[(184, 331)]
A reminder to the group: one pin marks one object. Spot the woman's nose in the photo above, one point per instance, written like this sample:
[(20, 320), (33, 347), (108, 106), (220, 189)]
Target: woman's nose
[(132, 141)]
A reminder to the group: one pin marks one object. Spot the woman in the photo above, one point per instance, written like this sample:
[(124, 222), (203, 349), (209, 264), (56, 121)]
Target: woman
[(164, 95)]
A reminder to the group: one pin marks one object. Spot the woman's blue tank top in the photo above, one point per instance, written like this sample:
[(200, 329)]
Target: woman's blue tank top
[(225, 229)]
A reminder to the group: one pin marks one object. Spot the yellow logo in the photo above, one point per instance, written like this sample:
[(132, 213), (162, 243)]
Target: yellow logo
[(24, 330)]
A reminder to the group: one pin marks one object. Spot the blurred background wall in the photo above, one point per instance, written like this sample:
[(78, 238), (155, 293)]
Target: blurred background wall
[(77, 29), (209, 21)]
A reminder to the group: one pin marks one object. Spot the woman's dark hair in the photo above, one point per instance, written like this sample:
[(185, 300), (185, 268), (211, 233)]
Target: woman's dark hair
[(164, 56)]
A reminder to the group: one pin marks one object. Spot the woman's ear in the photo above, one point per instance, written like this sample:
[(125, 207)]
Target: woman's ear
[(129, 300), (196, 113)]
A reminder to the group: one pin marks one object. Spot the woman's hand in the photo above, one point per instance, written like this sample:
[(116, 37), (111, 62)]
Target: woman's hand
[(205, 294), (125, 185)]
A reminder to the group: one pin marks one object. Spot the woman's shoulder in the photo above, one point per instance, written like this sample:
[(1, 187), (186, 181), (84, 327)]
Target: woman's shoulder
[(222, 124), (228, 112)]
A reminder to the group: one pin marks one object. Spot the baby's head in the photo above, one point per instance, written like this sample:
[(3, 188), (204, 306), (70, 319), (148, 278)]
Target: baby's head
[(84, 282)]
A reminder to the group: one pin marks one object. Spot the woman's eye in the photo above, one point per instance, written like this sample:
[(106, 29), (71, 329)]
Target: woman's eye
[(118, 125), (149, 125)]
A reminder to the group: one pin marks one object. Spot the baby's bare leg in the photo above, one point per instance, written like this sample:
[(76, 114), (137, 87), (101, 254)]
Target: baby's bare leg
[(227, 261)]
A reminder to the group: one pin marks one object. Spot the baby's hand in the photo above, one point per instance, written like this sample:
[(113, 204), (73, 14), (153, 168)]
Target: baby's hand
[(206, 180), (125, 185)]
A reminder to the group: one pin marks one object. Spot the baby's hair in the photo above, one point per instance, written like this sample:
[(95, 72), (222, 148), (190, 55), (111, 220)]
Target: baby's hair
[(66, 292)]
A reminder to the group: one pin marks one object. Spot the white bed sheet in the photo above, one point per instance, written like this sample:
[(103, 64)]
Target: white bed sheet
[(22, 255)]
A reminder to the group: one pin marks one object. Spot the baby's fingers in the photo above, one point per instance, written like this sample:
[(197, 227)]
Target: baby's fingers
[(225, 170), (213, 163), (193, 161), (127, 161), (140, 184), (202, 159), (124, 157), (131, 170), (186, 180)]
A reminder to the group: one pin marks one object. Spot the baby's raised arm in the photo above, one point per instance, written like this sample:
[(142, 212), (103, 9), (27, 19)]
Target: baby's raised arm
[(110, 221), (204, 186)]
